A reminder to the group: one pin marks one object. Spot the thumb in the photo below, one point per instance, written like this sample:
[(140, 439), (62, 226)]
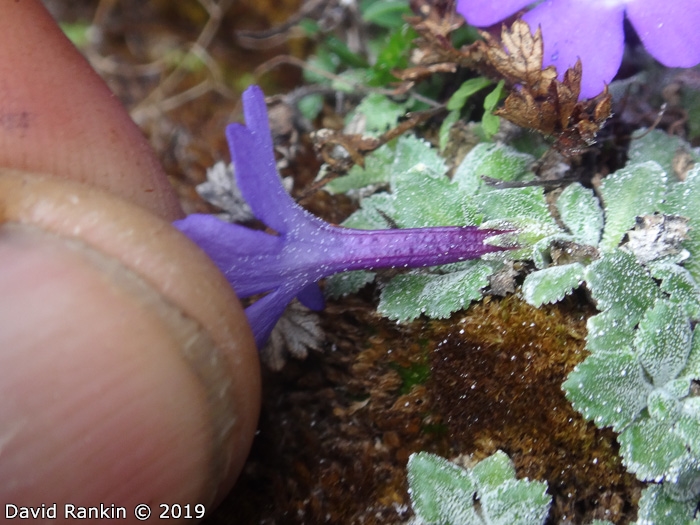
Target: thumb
[(127, 371)]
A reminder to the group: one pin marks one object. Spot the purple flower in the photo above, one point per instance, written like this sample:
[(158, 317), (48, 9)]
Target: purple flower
[(304, 249), (592, 31)]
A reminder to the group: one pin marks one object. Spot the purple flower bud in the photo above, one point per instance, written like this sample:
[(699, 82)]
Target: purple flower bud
[(592, 30), (304, 249)]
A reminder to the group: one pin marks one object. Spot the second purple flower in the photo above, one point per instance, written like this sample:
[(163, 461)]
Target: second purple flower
[(592, 30)]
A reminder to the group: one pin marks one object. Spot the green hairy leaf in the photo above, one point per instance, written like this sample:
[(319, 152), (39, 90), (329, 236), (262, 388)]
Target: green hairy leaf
[(408, 296), (648, 448), (380, 113), (634, 190), (663, 341), (443, 493), (641, 391), (660, 147), (496, 161), (388, 163), (607, 332), (679, 284), (373, 213), (683, 479), (523, 207), (493, 471), (412, 152), (688, 426), (580, 211), (608, 388), (692, 367), (658, 508), (415, 190), (377, 170), (552, 284), (516, 502), (619, 284), (342, 284), (683, 199)]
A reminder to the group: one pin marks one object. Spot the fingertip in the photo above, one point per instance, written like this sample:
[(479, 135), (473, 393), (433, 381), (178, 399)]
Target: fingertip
[(57, 115)]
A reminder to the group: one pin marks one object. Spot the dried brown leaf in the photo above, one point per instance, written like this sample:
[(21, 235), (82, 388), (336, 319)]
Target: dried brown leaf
[(540, 101), (537, 99), (421, 72), (518, 57), (353, 147), (436, 17), (657, 235)]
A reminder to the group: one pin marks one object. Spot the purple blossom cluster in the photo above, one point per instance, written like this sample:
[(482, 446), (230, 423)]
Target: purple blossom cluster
[(302, 249), (592, 30)]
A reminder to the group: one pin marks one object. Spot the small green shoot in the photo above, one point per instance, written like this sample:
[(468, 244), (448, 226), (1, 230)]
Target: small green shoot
[(466, 90), (385, 13), (489, 121)]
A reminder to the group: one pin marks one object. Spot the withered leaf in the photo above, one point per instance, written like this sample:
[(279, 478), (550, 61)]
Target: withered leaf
[(518, 58), (434, 22), (540, 101), (436, 17), (297, 332), (537, 99), (353, 147), (656, 236), (341, 150), (421, 72)]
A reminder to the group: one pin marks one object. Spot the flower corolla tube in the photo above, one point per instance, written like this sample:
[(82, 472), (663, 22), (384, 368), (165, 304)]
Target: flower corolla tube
[(303, 248), (592, 30)]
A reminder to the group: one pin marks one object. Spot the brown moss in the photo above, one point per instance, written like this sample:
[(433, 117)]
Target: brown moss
[(337, 429), (496, 383)]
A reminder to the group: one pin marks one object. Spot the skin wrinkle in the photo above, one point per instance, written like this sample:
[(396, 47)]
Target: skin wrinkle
[(200, 354)]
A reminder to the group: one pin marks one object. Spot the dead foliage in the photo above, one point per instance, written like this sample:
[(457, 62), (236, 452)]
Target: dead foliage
[(538, 100)]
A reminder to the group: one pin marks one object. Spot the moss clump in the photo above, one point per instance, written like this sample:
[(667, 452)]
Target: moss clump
[(496, 383), (337, 429)]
